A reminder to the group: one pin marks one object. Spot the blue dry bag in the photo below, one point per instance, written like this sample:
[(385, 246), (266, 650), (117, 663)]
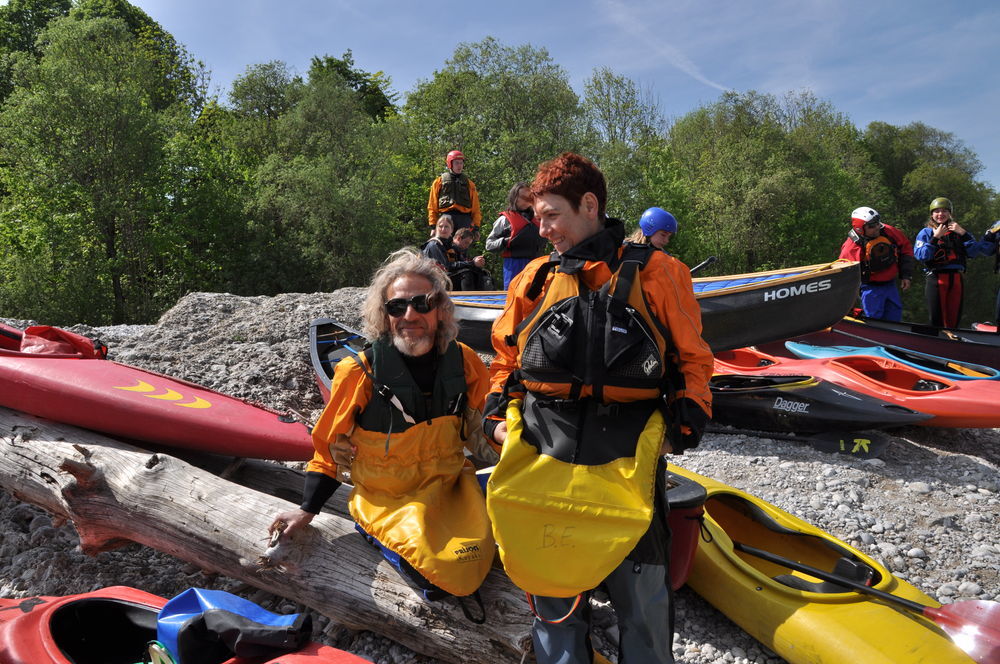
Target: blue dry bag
[(210, 626)]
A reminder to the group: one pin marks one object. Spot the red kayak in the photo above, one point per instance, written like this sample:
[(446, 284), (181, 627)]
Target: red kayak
[(64, 377), (111, 626), (950, 403)]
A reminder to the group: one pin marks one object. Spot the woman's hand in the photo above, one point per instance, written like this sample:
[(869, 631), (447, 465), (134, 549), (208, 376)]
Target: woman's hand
[(500, 433)]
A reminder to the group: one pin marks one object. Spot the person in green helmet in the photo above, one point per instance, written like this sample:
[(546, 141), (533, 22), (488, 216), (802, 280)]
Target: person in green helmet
[(944, 247)]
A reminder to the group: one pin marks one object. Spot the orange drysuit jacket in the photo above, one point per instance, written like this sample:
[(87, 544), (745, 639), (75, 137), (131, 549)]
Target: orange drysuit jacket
[(433, 211)]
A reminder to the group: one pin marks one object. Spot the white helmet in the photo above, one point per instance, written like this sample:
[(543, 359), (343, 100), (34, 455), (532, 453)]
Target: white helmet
[(865, 215)]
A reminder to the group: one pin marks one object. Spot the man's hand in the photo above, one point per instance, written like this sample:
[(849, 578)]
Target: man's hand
[(904, 284), (290, 522), (479, 261)]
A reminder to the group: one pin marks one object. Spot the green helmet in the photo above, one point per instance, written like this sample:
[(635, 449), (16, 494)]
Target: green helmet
[(941, 202)]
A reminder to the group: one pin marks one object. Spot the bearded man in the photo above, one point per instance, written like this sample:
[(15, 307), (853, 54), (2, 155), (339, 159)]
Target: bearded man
[(397, 421)]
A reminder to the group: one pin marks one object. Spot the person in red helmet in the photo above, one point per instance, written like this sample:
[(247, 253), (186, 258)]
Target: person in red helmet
[(453, 192), (885, 254)]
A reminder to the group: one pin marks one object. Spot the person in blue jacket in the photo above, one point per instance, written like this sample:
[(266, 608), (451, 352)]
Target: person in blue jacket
[(944, 247), (988, 247)]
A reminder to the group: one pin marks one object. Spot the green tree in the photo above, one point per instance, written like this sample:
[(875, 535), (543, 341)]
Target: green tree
[(373, 89), (82, 151), (326, 206), (624, 130), (20, 23), (258, 98), (179, 77), (772, 181)]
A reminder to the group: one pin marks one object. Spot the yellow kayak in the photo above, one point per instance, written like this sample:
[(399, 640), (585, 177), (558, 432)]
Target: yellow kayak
[(804, 619)]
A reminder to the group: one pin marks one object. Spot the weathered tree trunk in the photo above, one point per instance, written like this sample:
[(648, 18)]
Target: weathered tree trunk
[(115, 493)]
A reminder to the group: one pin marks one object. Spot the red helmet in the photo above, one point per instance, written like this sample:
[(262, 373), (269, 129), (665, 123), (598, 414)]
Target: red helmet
[(452, 156)]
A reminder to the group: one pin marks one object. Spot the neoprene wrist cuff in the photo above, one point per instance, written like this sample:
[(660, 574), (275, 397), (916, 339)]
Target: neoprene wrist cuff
[(317, 490)]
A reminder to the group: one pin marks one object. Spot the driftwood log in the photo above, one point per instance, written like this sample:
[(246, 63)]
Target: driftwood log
[(116, 493)]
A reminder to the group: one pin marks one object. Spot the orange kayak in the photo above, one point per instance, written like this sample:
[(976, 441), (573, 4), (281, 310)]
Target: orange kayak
[(970, 404)]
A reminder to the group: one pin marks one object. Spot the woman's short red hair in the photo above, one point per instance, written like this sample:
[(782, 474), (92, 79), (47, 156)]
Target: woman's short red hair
[(571, 176)]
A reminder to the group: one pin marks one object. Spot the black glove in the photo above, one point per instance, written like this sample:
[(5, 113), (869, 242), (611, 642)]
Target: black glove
[(692, 420)]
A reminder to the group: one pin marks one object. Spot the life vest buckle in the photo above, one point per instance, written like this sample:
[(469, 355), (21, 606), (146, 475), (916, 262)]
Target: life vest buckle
[(608, 410), (560, 324)]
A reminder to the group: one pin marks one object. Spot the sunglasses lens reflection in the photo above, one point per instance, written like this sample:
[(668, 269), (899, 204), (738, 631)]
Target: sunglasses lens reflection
[(396, 307)]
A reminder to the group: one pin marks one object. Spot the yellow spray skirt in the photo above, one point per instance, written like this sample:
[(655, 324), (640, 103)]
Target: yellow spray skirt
[(420, 499), (562, 528)]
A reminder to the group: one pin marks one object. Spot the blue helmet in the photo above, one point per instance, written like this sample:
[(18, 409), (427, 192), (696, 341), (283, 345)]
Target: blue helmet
[(657, 219)]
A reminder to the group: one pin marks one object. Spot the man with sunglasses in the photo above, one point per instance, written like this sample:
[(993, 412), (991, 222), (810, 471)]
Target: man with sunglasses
[(398, 420), (885, 254)]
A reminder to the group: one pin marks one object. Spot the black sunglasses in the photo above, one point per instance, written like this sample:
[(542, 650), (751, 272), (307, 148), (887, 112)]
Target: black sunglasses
[(397, 306), (872, 224)]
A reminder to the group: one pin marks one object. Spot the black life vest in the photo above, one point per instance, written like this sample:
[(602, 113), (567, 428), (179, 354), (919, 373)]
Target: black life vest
[(948, 251), (392, 380), (577, 342), (454, 191), (524, 238)]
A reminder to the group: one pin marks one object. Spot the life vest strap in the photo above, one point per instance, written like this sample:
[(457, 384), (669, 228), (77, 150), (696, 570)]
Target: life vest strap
[(531, 603), (385, 392)]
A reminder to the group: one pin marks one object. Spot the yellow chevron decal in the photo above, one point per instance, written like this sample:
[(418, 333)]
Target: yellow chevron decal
[(142, 386), (167, 395), (197, 403)]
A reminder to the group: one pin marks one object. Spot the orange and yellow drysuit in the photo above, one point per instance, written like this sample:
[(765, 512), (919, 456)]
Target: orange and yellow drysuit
[(593, 370), (414, 490)]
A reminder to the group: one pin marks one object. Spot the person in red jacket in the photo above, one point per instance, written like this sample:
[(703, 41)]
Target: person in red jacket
[(885, 254)]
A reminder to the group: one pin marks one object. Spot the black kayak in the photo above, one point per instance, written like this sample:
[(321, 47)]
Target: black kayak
[(802, 404)]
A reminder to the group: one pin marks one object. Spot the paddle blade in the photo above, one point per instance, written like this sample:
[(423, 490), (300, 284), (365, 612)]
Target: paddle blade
[(973, 625)]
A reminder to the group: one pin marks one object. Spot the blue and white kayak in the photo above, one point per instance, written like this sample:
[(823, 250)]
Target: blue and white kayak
[(940, 366)]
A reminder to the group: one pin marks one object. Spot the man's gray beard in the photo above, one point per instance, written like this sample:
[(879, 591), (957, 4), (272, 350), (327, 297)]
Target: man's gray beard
[(416, 348)]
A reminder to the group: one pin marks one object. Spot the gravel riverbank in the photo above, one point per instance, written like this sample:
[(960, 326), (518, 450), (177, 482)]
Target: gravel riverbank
[(929, 508)]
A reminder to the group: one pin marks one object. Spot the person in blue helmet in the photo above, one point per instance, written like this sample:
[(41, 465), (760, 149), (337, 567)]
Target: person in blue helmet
[(656, 227)]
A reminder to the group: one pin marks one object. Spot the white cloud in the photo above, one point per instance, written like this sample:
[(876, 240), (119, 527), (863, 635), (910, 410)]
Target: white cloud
[(634, 25)]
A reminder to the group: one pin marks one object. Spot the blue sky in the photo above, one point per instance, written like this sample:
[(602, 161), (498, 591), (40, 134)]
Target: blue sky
[(896, 62)]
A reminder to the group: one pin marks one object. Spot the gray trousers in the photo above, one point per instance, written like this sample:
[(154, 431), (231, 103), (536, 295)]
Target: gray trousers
[(641, 596)]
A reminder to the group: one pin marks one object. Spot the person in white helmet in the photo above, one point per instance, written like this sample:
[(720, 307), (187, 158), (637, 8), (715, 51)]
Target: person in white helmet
[(885, 255)]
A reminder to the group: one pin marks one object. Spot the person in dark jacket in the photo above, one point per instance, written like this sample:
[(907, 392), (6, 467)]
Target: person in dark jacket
[(515, 233), (438, 247), (988, 247), (467, 274)]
